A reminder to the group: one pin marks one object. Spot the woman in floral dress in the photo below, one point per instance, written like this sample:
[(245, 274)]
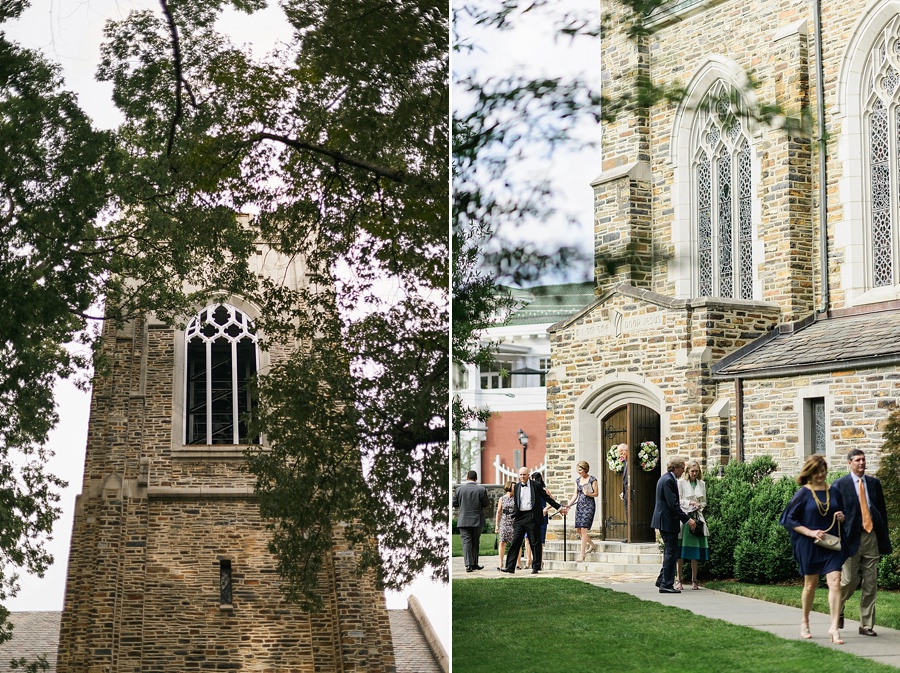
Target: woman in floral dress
[(504, 519), (584, 498)]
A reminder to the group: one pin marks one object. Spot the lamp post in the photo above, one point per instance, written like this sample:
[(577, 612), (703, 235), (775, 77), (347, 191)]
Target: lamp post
[(523, 440)]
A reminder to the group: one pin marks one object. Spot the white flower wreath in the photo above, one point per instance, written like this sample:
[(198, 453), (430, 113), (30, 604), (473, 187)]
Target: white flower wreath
[(615, 457), (648, 454)]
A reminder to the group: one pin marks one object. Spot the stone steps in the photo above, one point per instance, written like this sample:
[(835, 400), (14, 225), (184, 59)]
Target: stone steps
[(610, 557)]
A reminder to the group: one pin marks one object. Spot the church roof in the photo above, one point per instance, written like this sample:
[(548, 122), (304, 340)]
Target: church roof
[(34, 633), (850, 338), (549, 303)]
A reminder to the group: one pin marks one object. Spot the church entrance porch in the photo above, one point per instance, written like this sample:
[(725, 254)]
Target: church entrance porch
[(628, 518)]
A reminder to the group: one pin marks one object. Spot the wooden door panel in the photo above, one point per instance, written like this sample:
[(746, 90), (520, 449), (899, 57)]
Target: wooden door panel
[(643, 425), (613, 430)]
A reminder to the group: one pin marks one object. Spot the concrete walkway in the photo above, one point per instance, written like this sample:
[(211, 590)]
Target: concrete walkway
[(781, 620)]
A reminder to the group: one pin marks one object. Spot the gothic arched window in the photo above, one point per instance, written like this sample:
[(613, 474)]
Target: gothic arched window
[(221, 362), (881, 97), (723, 193)]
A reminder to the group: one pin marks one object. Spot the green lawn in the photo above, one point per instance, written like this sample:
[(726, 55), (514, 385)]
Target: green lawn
[(550, 625), (485, 545), (887, 606)]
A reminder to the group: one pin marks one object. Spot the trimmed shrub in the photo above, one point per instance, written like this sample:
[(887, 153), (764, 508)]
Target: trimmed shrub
[(889, 475), (728, 507), (889, 572), (763, 554)]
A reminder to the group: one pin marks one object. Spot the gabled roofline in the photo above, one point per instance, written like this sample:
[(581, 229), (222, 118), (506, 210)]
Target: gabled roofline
[(663, 301)]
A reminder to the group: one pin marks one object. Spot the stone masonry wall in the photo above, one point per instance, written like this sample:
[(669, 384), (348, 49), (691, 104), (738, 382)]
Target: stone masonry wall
[(773, 414), (152, 524), (774, 42), (650, 343)]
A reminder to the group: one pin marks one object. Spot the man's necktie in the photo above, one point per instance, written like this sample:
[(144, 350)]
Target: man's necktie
[(864, 508)]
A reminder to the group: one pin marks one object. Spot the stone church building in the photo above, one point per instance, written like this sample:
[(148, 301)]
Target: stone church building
[(755, 309), (169, 568)]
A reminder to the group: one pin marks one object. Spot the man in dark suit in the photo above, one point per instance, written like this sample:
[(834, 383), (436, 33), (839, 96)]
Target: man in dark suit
[(667, 515), (865, 537), (529, 498), (470, 499)]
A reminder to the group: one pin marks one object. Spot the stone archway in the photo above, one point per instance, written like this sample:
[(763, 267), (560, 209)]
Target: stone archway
[(614, 410)]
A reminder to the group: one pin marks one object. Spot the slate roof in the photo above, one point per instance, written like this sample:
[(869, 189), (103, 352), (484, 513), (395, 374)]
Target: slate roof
[(549, 303), (412, 654), (840, 340), (34, 633)]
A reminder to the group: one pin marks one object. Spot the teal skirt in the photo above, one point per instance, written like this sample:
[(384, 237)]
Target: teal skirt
[(693, 547)]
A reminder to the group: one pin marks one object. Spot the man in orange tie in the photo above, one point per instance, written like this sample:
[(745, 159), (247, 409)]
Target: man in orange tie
[(865, 538)]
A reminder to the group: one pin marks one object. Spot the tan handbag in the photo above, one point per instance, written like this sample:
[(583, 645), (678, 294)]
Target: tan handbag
[(831, 542)]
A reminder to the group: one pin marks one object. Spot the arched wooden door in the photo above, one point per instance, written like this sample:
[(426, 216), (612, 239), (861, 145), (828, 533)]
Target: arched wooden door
[(629, 519)]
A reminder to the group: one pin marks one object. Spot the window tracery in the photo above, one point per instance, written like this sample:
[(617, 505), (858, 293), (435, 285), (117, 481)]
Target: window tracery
[(221, 361), (723, 192), (882, 125)]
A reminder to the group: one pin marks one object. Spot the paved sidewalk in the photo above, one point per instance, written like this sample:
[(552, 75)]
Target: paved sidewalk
[(781, 620)]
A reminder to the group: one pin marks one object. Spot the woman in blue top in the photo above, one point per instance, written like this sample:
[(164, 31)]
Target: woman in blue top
[(815, 509)]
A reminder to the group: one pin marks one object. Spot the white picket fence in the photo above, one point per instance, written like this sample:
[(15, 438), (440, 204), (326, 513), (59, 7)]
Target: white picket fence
[(502, 473)]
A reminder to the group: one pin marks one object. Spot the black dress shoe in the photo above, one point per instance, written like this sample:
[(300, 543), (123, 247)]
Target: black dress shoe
[(504, 570), (669, 590), (534, 571), (469, 569), (866, 632), (841, 621), (477, 567)]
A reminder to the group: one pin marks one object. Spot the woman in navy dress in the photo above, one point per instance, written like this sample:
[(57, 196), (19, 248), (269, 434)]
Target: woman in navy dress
[(812, 511), (585, 492)]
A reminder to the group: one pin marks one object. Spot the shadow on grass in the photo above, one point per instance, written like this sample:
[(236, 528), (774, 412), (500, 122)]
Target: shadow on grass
[(555, 625)]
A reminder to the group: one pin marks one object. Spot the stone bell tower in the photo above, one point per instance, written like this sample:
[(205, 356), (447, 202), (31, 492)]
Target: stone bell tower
[(169, 569)]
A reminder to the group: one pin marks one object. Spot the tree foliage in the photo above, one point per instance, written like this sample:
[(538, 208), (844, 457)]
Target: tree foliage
[(335, 146)]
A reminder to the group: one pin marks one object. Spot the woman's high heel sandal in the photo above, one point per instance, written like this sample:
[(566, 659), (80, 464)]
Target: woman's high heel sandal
[(592, 548), (678, 585), (836, 637), (579, 559), (695, 586), (804, 630)]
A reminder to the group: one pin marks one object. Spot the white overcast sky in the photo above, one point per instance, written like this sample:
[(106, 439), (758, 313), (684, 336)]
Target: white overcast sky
[(532, 49)]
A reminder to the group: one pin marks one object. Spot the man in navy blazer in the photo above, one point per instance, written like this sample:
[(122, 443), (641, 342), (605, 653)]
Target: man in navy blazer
[(529, 498), (667, 517), (865, 537)]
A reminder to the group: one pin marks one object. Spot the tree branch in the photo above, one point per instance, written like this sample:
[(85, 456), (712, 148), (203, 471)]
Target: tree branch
[(393, 175)]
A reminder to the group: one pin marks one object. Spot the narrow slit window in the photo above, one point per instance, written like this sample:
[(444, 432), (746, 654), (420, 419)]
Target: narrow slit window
[(225, 583)]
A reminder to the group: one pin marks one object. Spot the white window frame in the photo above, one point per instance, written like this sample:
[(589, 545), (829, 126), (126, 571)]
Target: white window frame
[(805, 425), (683, 269), (853, 233), (203, 319)]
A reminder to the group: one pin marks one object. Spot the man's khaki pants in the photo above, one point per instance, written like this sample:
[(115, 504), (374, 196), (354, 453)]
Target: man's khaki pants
[(865, 564)]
